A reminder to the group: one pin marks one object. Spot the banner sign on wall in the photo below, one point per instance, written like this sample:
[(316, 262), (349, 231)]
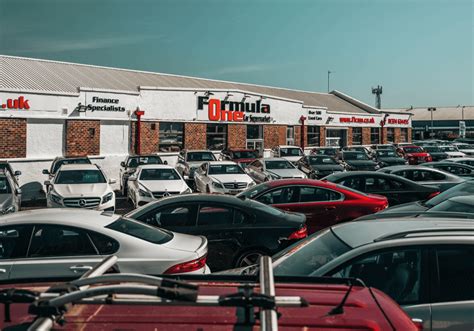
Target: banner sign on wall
[(104, 104), (235, 111), (19, 103)]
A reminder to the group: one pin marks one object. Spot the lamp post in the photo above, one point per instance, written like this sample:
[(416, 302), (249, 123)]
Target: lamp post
[(302, 119), (329, 73), (432, 109)]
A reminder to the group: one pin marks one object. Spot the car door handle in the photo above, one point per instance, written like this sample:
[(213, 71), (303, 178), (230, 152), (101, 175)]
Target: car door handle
[(330, 208), (80, 268)]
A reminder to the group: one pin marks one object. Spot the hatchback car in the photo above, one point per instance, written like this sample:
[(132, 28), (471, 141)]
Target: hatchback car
[(358, 161), (436, 153), (60, 160), (225, 177), (397, 189), (190, 160), (10, 193), (323, 203), (241, 156), (239, 231), (452, 151), (53, 243), (290, 153), (414, 154), (264, 170), (328, 151), (387, 158), (129, 166), (318, 166)]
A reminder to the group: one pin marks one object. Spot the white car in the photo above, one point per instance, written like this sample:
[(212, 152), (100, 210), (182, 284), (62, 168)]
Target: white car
[(465, 148), (80, 186), (225, 177), (452, 151), (56, 243), (290, 153), (263, 170), (154, 181)]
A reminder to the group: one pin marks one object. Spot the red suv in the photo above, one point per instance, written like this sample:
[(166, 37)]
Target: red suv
[(323, 203), (414, 154)]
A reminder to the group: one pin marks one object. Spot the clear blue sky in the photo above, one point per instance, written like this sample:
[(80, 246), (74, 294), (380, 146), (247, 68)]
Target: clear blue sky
[(421, 51)]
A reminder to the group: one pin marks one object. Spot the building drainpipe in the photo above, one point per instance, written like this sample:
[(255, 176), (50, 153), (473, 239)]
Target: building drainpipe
[(302, 119), (139, 113)]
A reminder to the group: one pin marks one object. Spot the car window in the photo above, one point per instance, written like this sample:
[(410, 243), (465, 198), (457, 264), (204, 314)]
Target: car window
[(80, 177), (317, 194), (59, 163), (396, 272), (395, 184), (456, 274), (455, 169), (141, 231), (14, 241), (5, 186), (159, 174), (105, 245), (466, 188), (225, 169), (356, 183), (453, 206), (181, 215), (54, 240), (214, 215), (287, 194)]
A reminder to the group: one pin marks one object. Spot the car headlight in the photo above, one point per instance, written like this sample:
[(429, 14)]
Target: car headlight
[(107, 197), (8, 210), (377, 167), (252, 183), (217, 185), (55, 198), (187, 191), (144, 193)]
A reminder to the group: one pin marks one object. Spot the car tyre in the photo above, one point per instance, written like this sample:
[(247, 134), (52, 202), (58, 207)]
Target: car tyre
[(248, 258)]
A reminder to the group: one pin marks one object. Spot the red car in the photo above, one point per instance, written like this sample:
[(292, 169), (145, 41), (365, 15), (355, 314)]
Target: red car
[(414, 154), (241, 156), (323, 203)]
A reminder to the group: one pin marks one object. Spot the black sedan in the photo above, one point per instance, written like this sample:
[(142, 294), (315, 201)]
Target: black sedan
[(458, 169), (397, 189), (387, 158), (238, 231), (318, 166), (436, 153), (358, 161)]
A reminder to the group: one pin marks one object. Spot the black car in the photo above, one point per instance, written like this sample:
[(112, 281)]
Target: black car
[(358, 161), (319, 166), (238, 230), (130, 165), (59, 161), (397, 189), (366, 150), (458, 169), (436, 153), (327, 151), (387, 158)]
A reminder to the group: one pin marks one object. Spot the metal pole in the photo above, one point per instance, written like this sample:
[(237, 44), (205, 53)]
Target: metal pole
[(329, 72), (268, 317)]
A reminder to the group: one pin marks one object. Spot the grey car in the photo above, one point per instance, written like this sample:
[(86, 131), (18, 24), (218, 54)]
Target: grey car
[(425, 176), (190, 161), (263, 170), (10, 193)]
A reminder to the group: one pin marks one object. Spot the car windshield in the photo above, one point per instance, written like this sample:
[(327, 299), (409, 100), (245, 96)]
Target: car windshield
[(254, 191), (136, 161), (449, 149), (326, 151), (308, 255), (465, 146), (200, 156), (453, 206), (80, 177), (465, 188), (225, 169), (5, 186), (355, 156), (159, 174), (245, 155), (432, 149), (278, 164), (313, 160), (386, 153), (141, 231), (291, 152), (413, 149), (59, 163)]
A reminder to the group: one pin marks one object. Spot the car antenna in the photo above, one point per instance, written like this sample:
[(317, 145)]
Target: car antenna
[(339, 309)]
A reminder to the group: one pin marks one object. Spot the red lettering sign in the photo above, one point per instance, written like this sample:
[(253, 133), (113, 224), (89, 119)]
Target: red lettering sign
[(215, 113), (19, 103), (353, 119)]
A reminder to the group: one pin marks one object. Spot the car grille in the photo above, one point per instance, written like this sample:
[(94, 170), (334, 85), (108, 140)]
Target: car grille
[(161, 194), (81, 202), (235, 186)]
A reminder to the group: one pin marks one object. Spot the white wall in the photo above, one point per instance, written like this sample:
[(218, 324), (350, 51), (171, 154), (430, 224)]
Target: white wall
[(114, 137), (44, 138)]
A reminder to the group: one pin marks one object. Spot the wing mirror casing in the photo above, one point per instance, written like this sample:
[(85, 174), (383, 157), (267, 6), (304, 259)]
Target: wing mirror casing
[(18, 191), (165, 162), (112, 181), (45, 172), (47, 183), (132, 178), (17, 173), (122, 164)]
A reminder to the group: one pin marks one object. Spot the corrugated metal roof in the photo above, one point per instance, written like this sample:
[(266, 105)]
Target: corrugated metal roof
[(51, 76), (440, 114)]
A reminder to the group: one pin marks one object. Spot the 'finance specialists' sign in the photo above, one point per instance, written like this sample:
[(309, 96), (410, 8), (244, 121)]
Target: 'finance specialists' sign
[(104, 104), (234, 111)]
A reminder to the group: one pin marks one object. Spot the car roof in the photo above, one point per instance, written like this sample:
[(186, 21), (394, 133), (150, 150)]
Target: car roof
[(403, 146), (408, 167), (61, 158), (67, 216), (288, 146), (465, 199), (461, 159), (155, 166), (143, 155), (273, 159), (303, 181), (221, 163), (79, 167), (368, 173), (197, 150), (359, 233)]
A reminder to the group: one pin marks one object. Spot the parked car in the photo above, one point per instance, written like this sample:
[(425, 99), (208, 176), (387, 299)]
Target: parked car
[(129, 166), (10, 193), (327, 151), (458, 169), (358, 161), (318, 166), (54, 243), (60, 160), (388, 157), (239, 231), (225, 177), (241, 156), (323, 203), (452, 151), (425, 176), (357, 148), (377, 147), (465, 148), (290, 153), (80, 186), (425, 266), (5, 165), (463, 160), (155, 181), (189, 161), (396, 189), (414, 154), (436, 153), (264, 170)]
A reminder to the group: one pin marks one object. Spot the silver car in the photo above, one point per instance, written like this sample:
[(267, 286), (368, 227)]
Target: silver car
[(58, 243), (263, 170), (10, 193)]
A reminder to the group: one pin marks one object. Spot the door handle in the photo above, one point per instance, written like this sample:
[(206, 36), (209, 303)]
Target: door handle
[(330, 208), (80, 268)]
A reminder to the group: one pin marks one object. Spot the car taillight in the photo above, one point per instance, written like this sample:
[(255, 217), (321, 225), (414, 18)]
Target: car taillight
[(187, 266), (299, 234), (428, 159), (432, 195), (418, 323), (381, 207)]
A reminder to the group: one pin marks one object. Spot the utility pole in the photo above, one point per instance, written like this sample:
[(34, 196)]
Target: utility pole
[(378, 92), (431, 110)]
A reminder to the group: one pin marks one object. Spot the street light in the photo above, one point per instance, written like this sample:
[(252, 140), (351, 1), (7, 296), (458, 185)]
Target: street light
[(432, 109), (329, 73)]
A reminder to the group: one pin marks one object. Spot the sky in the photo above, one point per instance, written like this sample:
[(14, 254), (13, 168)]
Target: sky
[(420, 51)]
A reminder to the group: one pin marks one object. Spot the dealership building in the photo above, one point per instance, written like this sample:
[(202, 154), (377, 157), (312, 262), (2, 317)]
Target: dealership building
[(49, 109)]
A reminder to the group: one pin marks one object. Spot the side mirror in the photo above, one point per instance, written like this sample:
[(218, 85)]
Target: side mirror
[(112, 181), (18, 191), (132, 178), (47, 183), (45, 172), (17, 173), (165, 162), (122, 164)]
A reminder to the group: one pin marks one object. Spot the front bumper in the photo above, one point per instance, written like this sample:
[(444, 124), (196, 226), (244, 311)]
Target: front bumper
[(108, 206)]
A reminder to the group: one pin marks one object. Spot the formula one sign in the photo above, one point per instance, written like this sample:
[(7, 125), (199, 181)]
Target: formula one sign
[(234, 111)]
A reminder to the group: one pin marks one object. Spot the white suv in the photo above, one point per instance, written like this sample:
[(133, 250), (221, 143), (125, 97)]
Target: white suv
[(80, 186)]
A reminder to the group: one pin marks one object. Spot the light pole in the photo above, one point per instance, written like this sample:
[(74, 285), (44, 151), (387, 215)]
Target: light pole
[(432, 109), (329, 73)]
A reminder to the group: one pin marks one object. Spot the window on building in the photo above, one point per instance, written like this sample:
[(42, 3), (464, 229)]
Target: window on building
[(171, 137), (255, 137), (404, 135), (390, 135), (356, 136), (216, 137), (313, 133), (290, 135), (375, 136)]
